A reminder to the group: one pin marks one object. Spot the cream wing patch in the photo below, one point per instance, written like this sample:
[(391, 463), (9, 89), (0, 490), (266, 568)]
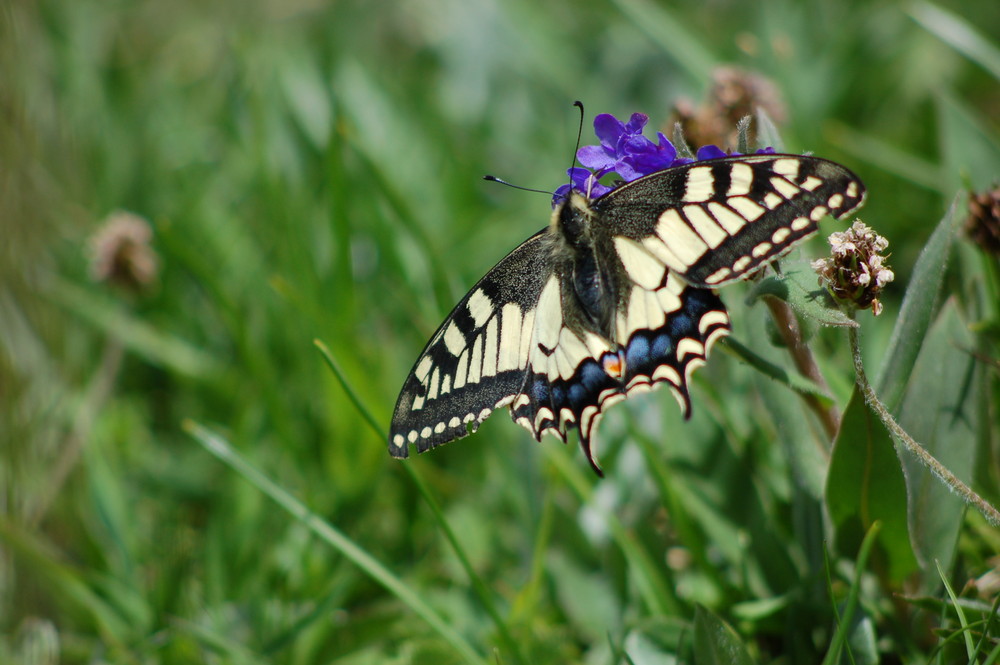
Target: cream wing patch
[(554, 350), (643, 267)]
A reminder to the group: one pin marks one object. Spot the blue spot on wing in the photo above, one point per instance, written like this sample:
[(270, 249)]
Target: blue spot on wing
[(590, 386)]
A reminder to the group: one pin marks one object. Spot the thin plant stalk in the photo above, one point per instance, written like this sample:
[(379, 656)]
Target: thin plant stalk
[(991, 514), (788, 326)]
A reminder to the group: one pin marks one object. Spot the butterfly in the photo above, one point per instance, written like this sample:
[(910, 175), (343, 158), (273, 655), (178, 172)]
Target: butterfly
[(615, 297)]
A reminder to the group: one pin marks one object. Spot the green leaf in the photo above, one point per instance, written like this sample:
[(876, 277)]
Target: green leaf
[(587, 597), (863, 639), (917, 310), (715, 642), (657, 639), (792, 380), (865, 484), (970, 150), (941, 411), (800, 289)]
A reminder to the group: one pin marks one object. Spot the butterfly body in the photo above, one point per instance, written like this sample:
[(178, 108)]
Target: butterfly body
[(614, 297)]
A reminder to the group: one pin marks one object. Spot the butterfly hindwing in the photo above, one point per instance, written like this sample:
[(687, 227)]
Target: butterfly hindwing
[(670, 336), (714, 221)]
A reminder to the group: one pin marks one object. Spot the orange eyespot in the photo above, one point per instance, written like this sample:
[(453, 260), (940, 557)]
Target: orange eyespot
[(614, 364)]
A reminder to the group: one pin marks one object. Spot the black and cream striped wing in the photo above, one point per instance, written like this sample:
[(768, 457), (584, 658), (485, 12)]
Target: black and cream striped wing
[(558, 349), (519, 339), (714, 221), (475, 362)]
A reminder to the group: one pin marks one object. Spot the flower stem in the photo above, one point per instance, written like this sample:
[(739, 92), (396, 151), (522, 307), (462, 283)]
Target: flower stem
[(788, 327), (991, 514)]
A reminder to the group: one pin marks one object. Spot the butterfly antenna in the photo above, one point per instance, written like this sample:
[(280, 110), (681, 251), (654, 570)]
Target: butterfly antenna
[(493, 178), (579, 131), (579, 135)]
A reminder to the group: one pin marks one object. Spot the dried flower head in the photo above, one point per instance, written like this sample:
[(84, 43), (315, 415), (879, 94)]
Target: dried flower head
[(983, 223), (121, 254), (735, 94), (856, 272)]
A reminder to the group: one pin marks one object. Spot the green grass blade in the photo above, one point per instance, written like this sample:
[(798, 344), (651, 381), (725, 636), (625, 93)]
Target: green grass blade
[(666, 29), (482, 591), (887, 156), (351, 394), (970, 648), (844, 621), (650, 583), (332, 536), (146, 341), (959, 34)]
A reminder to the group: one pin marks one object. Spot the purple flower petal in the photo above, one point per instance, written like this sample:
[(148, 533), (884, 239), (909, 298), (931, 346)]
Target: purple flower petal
[(561, 194), (636, 123), (608, 129), (595, 157), (666, 148), (645, 157), (710, 152)]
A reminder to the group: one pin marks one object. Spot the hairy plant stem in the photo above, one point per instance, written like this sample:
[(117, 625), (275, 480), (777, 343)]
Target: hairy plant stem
[(991, 514), (788, 327)]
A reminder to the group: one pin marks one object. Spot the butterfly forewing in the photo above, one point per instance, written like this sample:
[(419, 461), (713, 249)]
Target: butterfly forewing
[(476, 360), (717, 220)]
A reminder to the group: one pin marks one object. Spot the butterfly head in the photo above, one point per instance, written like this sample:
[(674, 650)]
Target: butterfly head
[(572, 218)]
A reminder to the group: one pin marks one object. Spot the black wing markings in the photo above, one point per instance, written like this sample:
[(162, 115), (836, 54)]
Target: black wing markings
[(714, 221), (518, 340)]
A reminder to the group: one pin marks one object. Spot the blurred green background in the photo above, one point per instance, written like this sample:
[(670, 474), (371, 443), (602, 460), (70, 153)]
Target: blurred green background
[(312, 170)]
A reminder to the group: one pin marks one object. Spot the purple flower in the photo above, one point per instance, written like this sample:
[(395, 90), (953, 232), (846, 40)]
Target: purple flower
[(644, 157), (625, 151), (617, 139), (584, 181)]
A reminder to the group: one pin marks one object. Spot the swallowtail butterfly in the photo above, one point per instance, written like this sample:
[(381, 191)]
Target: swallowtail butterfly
[(614, 297)]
